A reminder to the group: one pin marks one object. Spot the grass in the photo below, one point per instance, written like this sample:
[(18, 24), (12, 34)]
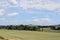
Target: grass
[(49, 30), (29, 35)]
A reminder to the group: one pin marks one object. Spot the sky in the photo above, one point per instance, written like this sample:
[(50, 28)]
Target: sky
[(36, 12)]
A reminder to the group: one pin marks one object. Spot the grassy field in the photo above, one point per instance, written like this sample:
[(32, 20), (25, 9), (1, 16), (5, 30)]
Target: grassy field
[(30, 35)]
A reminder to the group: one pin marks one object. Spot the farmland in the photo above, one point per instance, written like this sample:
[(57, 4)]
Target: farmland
[(29, 35)]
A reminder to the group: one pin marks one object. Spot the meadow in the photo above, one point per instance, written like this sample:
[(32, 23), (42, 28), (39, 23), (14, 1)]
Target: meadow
[(29, 35)]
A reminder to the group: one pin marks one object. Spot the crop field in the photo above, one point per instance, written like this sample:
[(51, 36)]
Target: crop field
[(29, 35)]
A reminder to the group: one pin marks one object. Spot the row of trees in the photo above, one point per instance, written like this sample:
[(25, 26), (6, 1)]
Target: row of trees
[(23, 27), (29, 27), (56, 27)]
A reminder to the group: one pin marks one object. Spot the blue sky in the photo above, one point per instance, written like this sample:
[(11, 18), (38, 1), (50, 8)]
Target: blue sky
[(36, 12)]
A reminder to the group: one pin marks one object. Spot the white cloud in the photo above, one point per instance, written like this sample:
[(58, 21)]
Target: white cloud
[(36, 20), (39, 20), (13, 14), (2, 12), (57, 11), (8, 3), (43, 21), (4, 4), (13, 3), (39, 4)]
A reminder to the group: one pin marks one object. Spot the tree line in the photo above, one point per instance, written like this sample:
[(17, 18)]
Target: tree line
[(29, 27)]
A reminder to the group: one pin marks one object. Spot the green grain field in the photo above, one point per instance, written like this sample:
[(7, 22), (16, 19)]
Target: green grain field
[(30, 35)]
